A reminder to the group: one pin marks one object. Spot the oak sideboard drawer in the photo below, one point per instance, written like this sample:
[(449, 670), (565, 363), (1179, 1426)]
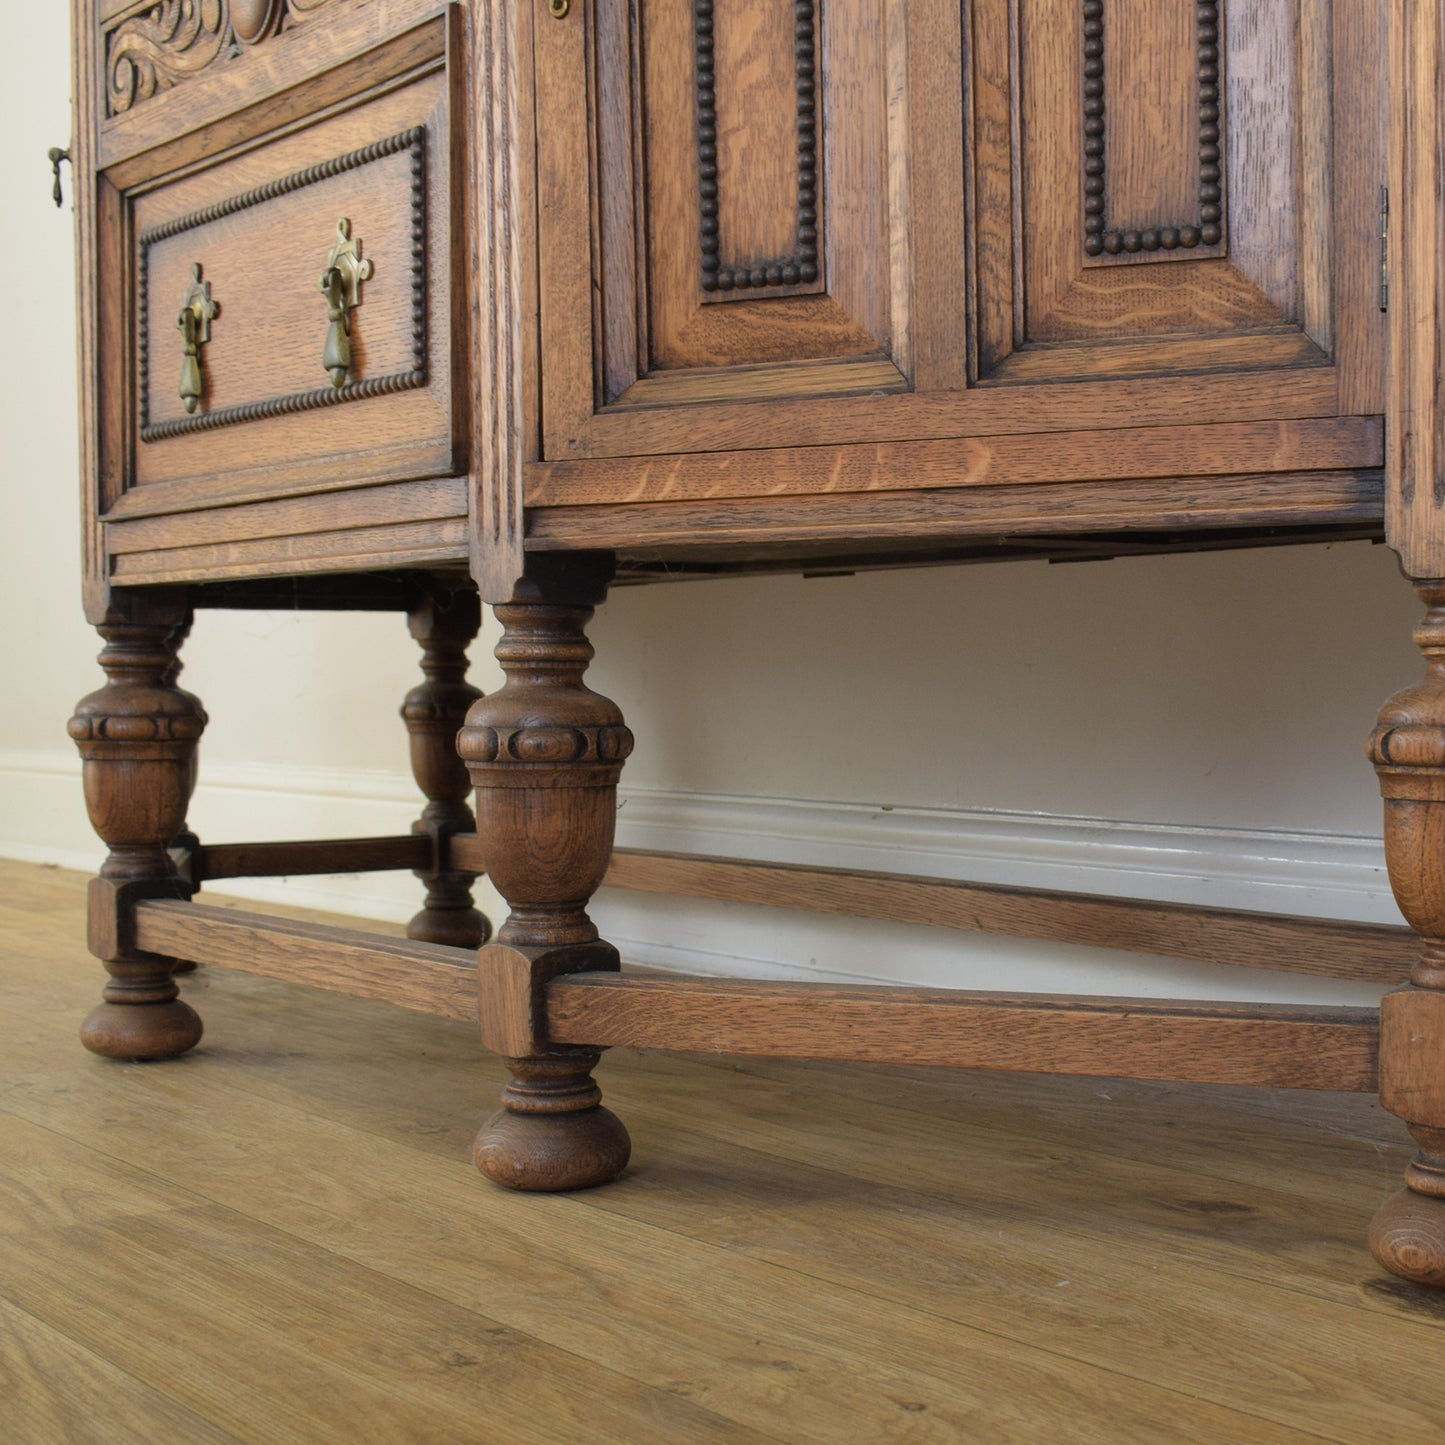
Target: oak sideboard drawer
[(289, 306)]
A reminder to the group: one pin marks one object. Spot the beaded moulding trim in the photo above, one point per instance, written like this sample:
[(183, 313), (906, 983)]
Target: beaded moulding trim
[(412, 141), (802, 266), (1100, 239)]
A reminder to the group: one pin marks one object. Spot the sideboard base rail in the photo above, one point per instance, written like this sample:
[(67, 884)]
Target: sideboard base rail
[(1263, 1045), (426, 977), (1323, 948), (1260, 1045)]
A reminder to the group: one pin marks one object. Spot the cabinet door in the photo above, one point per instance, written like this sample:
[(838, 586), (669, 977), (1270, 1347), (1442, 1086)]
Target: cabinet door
[(721, 196), (1165, 194)]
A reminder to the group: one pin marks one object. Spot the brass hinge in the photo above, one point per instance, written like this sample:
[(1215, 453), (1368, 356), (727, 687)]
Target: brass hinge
[(1384, 248)]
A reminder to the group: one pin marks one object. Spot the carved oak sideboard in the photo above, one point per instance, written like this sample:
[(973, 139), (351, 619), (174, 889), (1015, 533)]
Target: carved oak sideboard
[(414, 306)]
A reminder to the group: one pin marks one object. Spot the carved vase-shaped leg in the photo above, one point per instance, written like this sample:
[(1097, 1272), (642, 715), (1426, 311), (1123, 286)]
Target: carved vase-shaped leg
[(185, 841), (545, 754), (137, 738), (1408, 750), (434, 712)]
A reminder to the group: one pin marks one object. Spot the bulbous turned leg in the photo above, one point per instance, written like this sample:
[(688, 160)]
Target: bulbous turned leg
[(552, 1132), (434, 712), (545, 754), (1407, 747), (137, 737)]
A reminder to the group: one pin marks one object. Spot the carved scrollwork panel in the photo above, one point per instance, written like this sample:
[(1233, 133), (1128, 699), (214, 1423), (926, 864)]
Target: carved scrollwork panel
[(172, 41)]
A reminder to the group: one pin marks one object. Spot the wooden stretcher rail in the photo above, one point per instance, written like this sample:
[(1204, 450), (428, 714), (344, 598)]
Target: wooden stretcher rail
[(1368, 953), (1247, 1044), (1266, 1045), (335, 855), (426, 977)]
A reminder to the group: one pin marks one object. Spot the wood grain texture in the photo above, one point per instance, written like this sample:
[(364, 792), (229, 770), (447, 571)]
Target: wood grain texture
[(755, 76), (57, 1389), (1258, 1044), (1415, 466), (1320, 947), (1345, 442), (861, 521), (930, 220), (1360, 152), (426, 977), (135, 531), (562, 171), (986, 410), (505, 399), (1067, 299), (779, 381), (406, 544)]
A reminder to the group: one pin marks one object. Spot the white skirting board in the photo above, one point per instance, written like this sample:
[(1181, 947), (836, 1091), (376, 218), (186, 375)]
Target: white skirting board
[(42, 819)]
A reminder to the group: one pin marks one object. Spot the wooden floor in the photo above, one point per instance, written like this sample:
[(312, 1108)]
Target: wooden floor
[(280, 1238)]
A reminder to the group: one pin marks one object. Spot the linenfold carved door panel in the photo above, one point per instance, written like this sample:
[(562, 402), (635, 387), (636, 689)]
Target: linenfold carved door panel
[(1175, 207)]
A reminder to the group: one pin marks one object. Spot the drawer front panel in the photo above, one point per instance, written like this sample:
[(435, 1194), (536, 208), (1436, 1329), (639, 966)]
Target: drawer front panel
[(247, 241), (265, 248)]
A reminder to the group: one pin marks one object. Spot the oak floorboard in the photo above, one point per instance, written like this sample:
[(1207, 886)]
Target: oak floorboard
[(57, 1392), (779, 1353), (276, 1339), (800, 1252)]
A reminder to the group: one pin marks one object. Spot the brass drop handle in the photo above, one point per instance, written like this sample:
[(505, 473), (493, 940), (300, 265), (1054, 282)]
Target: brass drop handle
[(193, 321), (58, 156), (341, 286)]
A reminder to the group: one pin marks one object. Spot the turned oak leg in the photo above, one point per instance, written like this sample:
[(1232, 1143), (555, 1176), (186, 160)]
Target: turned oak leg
[(545, 754), (137, 738), (434, 711), (185, 841), (1407, 747)]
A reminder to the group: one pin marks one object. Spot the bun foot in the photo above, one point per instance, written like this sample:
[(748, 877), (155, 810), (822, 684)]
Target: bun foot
[(548, 1153), (454, 927), (1407, 1236), (552, 1132), (141, 1031)]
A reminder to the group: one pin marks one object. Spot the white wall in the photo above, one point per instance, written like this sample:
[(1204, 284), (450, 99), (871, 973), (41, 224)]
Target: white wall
[(1185, 728)]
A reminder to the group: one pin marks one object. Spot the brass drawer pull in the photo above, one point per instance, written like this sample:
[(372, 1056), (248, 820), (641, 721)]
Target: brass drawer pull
[(341, 286), (193, 321), (58, 157)]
